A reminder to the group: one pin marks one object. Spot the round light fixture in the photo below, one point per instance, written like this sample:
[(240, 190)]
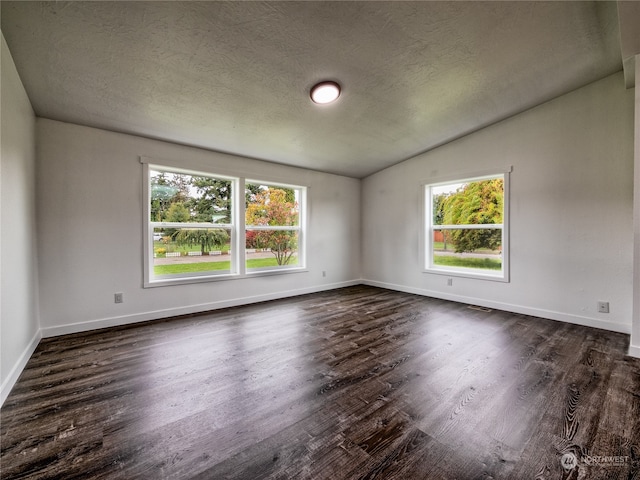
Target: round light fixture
[(325, 92)]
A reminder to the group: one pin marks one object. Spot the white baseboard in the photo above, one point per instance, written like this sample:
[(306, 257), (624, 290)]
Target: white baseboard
[(186, 310), (634, 351), (8, 384), (17, 369), (535, 312)]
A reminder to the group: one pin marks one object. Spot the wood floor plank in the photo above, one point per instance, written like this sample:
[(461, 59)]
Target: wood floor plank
[(354, 383)]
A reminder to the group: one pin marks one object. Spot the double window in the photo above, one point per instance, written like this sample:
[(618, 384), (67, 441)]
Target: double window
[(466, 227), (201, 227)]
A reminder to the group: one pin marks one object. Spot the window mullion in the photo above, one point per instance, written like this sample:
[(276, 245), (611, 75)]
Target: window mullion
[(190, 225), (471, 226), (273, 227), (241, 237)]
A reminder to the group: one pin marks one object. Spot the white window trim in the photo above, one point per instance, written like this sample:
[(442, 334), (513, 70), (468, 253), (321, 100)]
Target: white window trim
[(300, 228), (239, 251), (428, 228), (237, 227)]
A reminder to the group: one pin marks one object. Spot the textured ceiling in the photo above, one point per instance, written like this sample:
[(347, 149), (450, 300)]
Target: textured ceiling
[(235, 76)]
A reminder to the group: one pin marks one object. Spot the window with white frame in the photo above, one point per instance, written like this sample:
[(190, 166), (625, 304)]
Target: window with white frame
[(192, 225), (467, 224), (273, 226), (199, 227)]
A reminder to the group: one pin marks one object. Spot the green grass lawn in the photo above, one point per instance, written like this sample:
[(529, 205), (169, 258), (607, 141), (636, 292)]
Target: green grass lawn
[(196, 267), (451, 261)]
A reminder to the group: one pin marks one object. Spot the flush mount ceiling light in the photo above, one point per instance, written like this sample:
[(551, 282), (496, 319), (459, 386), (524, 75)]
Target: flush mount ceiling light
[(325, 92)]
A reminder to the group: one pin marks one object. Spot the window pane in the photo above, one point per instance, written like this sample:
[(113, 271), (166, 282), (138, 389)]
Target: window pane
[(191, 251), (463, 248), (479, 202), (180, 197), (268, 249), (272, 205)]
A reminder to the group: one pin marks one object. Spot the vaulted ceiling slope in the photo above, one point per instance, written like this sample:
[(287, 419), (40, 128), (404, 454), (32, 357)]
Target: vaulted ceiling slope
[(235, 76)]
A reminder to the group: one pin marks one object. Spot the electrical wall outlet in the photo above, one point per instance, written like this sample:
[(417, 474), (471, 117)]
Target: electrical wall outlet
[(117, 298), (324, 274), (449, 282), (603, 307)]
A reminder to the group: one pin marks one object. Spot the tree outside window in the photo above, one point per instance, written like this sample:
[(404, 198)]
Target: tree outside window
[(194, 232), (466, 227), (272, 221)]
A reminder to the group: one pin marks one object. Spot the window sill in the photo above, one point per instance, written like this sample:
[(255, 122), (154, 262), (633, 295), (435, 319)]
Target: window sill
[(467, 273), (205, 278)]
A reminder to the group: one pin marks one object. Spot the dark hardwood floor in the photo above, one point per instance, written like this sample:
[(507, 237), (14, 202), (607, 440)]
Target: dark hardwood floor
[(356, 383)]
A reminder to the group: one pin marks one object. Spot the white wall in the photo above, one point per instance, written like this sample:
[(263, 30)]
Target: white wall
[(19, 329), (571, 210), (634, 347), (90, 230)]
